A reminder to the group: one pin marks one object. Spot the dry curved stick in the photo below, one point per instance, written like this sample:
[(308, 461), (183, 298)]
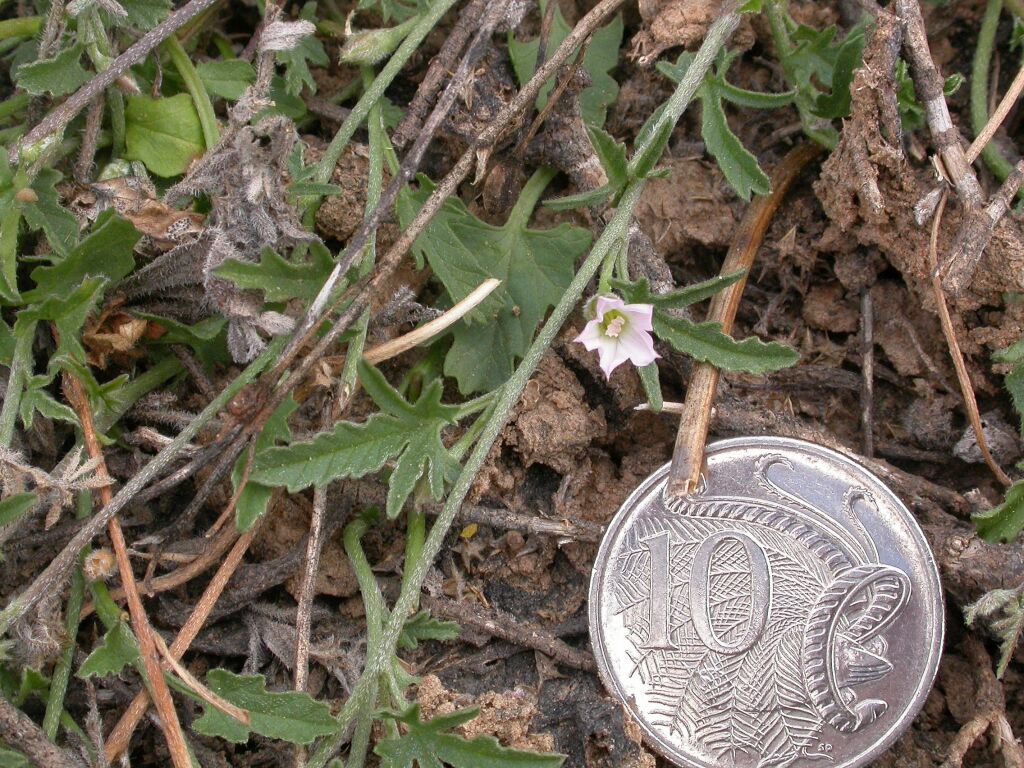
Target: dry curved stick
[(966, 390), (171, 727), (688, 454)]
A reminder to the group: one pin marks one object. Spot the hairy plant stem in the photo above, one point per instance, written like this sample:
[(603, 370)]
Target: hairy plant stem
[(101, 54), (21, 366), (194, 84), (375, 92), (55, 573), (980, 66)]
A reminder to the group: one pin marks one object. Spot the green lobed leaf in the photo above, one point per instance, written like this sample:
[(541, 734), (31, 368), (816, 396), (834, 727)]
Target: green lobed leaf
[(35, 397), (227, 79), (68, 313), (706, 342), (601, 57), (279, 278), (56, 76), (115, 651), (296, 61), (408, 433), (422, 627), (431, 745), (847, 59), (291, 716), (14, 506), (164, 133), (1005, 521), (535, 267)]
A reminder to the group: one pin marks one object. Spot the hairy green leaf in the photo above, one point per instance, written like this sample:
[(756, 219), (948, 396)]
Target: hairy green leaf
[(48, 215), (253, 501), (279, 278), (1005, 521), (296, 61), (115, 651), (738, 165), (291, 716), (146, 14), (56, 76), (430, 744), (17, 504), (601, 57), (651, 381), (409, 433), (535, 267), (639, 292), (422, 627), (163, 133), (707, 343), (227, 79)]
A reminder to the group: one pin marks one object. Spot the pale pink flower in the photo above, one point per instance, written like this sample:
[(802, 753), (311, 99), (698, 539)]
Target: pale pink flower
[(620, 332)]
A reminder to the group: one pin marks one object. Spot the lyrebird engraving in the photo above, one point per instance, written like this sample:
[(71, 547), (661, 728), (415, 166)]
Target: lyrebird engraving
[(752, 622)]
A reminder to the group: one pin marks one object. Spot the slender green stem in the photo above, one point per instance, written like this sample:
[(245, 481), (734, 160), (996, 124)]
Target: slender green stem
[(415, 534), (62, 670), (529, 196), (380, 84), (20, 365), (980, 68), (197, 90), (375, 173), (373, 600), (466, 440), (26, 26)]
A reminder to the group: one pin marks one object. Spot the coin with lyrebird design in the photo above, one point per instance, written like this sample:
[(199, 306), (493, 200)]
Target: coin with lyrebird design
[(786, 613)]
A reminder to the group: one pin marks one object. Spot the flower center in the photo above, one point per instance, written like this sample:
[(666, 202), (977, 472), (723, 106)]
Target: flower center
[(613, 324)]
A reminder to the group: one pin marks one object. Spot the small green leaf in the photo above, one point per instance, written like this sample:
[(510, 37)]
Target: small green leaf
[(755, 99), (296, 61), (163, 133), (847, 59), (1005, 521), (641, 164), (291, 716), (738, 165), (422, 627), (146, 14), (57, 76), (227, 79), (279, 278), (580, 199), (639, 292), (369, 46), (253, 501), (430, 745), (16, 505), (107, 252), (116, 650), (706, 342), (612, 155)]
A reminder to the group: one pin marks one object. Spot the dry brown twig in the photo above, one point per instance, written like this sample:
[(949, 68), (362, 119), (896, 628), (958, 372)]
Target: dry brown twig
[(75, 393), (688, 454)]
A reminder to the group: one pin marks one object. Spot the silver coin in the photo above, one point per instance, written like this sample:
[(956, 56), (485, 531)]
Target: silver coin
[(787, 613)]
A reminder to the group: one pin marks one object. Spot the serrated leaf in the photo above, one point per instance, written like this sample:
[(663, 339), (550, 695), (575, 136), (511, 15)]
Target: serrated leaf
[(14, 506), (56, 76), (535, 267), (296, 61), (639, 292), (107, 252), (612, 155), (68, 312), (164, 133), (115, 651), (847, 59), (408, 433), (279, 278), (35, 398), (227, 79), (601, 57), (430, 745), (291, 716), (738, 165), (706, 342), (1005, 521), (48, 215), (422, 627)]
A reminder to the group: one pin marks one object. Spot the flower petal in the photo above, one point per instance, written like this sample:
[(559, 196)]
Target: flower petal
[(639, 315), (606, 304), (591, 336), (639, 346)]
